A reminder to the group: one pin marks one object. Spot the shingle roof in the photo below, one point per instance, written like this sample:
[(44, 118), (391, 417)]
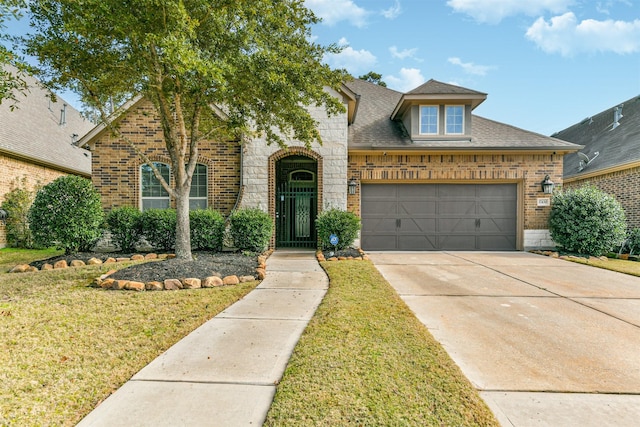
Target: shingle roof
[(434, 87), (374, 129), (33, 131), (616, 147)]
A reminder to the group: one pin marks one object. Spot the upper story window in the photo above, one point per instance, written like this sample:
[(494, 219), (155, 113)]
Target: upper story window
[(429, 119), (154, 196), (454, 119)]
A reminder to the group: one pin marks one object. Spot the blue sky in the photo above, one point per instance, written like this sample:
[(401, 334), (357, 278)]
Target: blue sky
[(545, 64)]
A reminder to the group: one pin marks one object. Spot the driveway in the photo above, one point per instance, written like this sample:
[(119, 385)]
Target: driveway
[(547, 342)]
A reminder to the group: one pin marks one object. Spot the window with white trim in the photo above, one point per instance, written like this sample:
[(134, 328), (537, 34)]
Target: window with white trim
[(454, 119), (429, 119), (153, 194), (198, 194)]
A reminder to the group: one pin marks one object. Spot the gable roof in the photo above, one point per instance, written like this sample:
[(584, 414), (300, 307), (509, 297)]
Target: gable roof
[(434, 87), (374, 128), (617, 148), (34, 131)]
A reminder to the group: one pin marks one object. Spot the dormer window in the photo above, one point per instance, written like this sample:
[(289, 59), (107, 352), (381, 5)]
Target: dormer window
[(429, 120), (454, 119)]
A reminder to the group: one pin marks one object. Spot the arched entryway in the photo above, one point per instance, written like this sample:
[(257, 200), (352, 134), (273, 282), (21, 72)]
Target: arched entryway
[(296, 201)]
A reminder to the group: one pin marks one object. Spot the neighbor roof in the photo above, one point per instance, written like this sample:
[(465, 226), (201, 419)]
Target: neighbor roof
[(374, 129), (617, 147), (33, 131)]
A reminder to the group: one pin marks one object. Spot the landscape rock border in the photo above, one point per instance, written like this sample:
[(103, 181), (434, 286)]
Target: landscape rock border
[(352, 254), (107, 283)]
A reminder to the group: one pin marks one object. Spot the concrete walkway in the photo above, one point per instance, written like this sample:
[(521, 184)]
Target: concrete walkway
[(547, 342), (225, 372)]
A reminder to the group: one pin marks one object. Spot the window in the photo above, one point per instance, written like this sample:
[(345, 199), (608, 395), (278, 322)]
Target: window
[(154, 196), (429, 119), (198, 194), (454, 119)]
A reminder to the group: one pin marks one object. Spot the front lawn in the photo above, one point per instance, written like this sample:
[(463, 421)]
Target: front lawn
[(64, 347), (619, 265), (366, 360)]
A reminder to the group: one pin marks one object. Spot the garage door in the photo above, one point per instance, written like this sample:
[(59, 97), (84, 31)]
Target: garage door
[(439, 217)]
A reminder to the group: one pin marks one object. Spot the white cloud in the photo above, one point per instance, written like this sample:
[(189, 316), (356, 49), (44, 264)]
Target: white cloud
[(410, 78), (494, 11), (334, 11), (403, 54), (354, 61), (393, 12), (565, 35), (470, 67)]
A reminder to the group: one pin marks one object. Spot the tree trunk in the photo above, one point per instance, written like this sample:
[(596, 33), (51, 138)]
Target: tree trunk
[(183, 236)]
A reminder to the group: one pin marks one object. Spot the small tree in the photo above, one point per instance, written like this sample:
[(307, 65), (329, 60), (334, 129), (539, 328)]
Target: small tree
[(587, 221), (343, 224), (17, 203), (125, 226), (67, 213)]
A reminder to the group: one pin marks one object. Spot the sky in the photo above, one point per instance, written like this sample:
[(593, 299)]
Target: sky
[(545, 64)]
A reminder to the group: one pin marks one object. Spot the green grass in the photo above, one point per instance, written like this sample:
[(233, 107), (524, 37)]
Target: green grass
[(619, 265), (10, 257), (64, 347), (366, 360)]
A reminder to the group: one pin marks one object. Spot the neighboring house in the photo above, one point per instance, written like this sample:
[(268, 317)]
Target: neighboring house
[(419, 168), (610, 159), (37, 142)]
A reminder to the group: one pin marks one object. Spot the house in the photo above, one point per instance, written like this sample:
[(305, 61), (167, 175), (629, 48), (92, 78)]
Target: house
[(610, 159), (37, 142), (419, 168)]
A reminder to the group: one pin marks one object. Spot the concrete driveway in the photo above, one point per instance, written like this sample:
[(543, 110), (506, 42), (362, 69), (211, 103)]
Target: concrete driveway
[(547, 342)]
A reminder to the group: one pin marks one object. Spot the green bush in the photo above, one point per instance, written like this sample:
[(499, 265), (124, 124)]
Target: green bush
[(343, 224), (587, 221), (67, 213), (125, 226), (633, 241), (250, 229), (159, 228), (17, 203), (207, 229)]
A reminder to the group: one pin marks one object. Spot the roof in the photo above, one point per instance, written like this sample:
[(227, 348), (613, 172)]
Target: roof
[(374, 129), (617, 147), (434, 87), (33, 131)]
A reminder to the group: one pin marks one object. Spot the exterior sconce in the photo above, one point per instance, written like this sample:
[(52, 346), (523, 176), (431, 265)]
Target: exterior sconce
[(547, 185), (352, 186)]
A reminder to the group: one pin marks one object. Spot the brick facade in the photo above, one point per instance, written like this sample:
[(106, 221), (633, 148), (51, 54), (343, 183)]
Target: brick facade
[(624, 185), (21, 174), (526, 170), (116, 167)]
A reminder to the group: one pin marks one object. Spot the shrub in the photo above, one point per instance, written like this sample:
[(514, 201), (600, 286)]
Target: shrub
[(343, 224), (587, 221), (159, 228), (66, 213), (207, 229), (633, 240), (250, 229), (125, 226), (17, 203)]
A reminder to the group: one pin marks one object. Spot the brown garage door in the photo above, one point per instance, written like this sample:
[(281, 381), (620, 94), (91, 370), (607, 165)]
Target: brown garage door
[(439, 217)]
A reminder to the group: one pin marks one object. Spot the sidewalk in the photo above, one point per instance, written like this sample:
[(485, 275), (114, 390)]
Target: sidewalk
[(225, 372)]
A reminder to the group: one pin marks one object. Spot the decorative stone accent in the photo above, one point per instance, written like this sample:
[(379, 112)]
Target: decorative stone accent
[(46, 266), (262, 273), (134, 286), (107, 284), (77, 263), (122, 259), (20, 268), (151, 256), (94, 261), (154, 286), (137, 257), (230, 280), (244, 279), (211, 282), (60, 264), (109, 260), (119, 285), (191, 283), (172, 284)]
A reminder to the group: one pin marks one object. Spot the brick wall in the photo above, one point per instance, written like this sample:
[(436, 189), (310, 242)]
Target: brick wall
[(116, 167), (527, 171), (20, 174), (624, 186)]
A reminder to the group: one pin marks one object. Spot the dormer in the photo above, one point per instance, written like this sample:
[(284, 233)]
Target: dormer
[(437, 111)]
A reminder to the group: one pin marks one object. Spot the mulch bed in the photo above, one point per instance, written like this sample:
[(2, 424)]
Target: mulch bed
[(204, 264)]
